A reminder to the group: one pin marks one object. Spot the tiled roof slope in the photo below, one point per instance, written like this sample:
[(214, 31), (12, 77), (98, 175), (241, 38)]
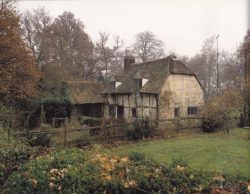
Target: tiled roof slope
[(155, 71), (84, 92)]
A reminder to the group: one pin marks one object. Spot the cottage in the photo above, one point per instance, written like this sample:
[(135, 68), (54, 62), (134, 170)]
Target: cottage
[(86, 97), (161, 89)]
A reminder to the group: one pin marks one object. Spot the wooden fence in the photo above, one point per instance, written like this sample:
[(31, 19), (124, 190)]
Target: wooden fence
[(68, 135)]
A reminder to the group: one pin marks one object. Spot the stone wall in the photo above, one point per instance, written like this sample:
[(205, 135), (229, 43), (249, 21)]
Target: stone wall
[(179, 91)]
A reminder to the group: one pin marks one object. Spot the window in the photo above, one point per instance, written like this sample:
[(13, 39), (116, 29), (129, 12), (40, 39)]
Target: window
[(133, 113), (192, 110), (137, 84), (120, 112), (176, 112), (112, 111), (112, 85)]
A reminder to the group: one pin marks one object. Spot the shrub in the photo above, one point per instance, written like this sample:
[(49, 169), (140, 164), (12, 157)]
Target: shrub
[(141, 128), (78, 171), (13, 154), (52, 106), (6, 114), (220, 111)]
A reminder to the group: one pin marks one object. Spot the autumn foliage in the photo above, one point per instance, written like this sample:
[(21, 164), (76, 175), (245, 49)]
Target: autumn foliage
[(81, 171), (221, 110), (19, 78)]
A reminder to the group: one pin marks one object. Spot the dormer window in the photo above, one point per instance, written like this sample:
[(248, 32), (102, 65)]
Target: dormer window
[(137, 84), (112, 85), (139, 81)]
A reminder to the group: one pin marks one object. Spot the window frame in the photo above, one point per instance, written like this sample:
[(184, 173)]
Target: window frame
[(176, 112), (111, 111), (112, 85), (134, 113), (120, 112), (137, 84), (192, 110)]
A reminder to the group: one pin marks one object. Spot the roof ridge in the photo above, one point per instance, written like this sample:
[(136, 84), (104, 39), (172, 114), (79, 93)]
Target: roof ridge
[(154, 60), (90, 82)]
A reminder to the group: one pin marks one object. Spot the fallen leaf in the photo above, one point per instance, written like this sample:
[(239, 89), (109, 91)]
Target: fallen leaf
[(126, 185), (60, 188), (121, 174), (34, 181), (52, 178), (51, 185), (113, 161), (109, 177), (26, 173), (100, 160), (53, 171), (133, 182)]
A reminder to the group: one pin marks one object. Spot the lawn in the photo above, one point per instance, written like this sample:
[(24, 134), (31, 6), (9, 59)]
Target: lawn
[(224, 153)]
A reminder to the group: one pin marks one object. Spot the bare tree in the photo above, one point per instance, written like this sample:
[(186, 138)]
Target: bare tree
[(110, 58), (147, 46), (204, 64)]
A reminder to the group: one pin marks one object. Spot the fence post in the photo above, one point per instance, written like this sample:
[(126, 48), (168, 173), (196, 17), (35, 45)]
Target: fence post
[(177, 124), (65, 132), (53, 122)]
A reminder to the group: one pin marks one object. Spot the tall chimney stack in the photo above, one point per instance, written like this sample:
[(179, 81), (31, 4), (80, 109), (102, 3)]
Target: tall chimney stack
[(128, 60)]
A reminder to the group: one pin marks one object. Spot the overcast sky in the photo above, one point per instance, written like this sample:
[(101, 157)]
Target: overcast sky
[(182, 25)]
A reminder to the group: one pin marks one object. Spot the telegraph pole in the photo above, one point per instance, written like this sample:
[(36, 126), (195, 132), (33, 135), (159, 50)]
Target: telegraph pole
[(217, 65)]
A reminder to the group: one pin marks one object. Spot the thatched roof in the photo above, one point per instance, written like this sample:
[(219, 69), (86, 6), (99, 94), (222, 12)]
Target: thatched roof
[(156, 71), (84, 92)]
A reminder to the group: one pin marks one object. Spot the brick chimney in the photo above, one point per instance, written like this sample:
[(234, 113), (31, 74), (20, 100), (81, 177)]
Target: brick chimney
[(128, 60)]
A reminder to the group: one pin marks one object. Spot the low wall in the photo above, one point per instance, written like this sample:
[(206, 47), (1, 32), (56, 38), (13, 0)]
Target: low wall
[(177, 125)]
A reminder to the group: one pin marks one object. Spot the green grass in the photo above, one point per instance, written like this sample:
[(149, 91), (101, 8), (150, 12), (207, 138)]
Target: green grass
[(220, 152)]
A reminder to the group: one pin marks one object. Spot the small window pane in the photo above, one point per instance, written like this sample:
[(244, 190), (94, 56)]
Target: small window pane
[(192, 110), (176, 112), (112, 85), (112, 111), (133, 113)]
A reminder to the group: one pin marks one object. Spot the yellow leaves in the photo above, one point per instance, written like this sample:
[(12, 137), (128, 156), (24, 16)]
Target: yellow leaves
[(109, 177), (60, 188), (40, 157), (53, 171), (65, 170), (106, 176), (218, 177), (51, 185), (125, 159), (34, 181), (100, 160), (113, 161), (121, 173), (126, 185), (179, 168), (52, 178), (130, 183), (26, 173), (191, 176)]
